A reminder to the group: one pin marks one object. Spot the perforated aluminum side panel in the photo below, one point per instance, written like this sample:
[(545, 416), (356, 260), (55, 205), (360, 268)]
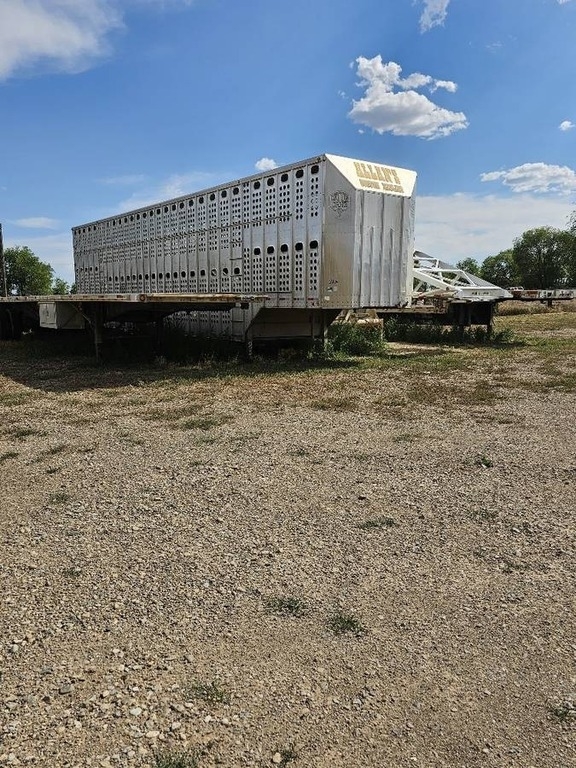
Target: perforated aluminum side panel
[(257, 235)]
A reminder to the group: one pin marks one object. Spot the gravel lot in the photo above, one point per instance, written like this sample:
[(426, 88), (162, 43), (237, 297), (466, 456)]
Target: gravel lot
[(369, 564)]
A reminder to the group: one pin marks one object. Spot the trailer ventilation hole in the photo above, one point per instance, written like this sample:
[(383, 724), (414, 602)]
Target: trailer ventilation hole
[(256, 185), (299, 247), (153, 275), (138, 216), (299, 173), (109, 278), (314, 244), (125, 219), (270, 181), (181, 205), (201, 199), (225, 271), (257, 251), (223, 193), (113, 222), (182, 274), (284, 248), (146, 277), (315, 169), (116, 279), (270, 249), (235, 191), (213, 272), (173, 206), (165, 209), (144, 215), (193, 273), (284, 177), (202, 273), (175, 274), (236, 270), (158, 211), (212, 196), (167, 275), (190, 203)]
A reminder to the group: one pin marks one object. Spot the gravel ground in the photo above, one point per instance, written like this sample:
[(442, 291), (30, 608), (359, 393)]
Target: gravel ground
[(364, 565)]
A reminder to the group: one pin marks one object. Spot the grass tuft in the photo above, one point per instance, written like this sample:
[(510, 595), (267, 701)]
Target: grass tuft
[(287, 755), (341, 623), (563, 712), (354, 340), (377, 523), (7, 456), (213, 692), (286, 606), (60, 497), (171, 759)]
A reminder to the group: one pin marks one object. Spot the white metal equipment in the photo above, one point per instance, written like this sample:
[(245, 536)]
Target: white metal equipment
[(433, 277), (315, 237)]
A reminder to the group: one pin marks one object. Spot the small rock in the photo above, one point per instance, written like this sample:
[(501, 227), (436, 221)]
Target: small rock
[(277, 758), (136, 711)]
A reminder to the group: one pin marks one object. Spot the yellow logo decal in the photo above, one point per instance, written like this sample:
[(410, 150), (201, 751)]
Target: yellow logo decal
[(380, 177)]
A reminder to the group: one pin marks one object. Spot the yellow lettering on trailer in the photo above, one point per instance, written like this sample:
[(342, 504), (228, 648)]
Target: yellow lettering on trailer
[(380, 177)]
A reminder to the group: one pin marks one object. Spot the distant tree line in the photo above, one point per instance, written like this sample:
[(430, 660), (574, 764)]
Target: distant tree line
[(26, 275), (544, 257)]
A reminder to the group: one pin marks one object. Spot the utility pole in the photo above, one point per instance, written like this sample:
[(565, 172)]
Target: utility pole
[(3, 281)]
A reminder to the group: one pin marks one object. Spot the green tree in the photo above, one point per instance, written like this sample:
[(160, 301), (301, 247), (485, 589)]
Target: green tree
[(26, 275), (500, 269), (469, 265), (60, 287), (543, 257)]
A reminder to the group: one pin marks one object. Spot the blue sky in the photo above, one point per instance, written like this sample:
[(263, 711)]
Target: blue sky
[(109, 104)]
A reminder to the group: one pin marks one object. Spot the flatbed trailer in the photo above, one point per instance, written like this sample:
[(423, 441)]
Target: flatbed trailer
[(93, 311)]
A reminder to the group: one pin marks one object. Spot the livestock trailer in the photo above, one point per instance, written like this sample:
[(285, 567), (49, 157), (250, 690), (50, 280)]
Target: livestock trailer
[(310, 239)]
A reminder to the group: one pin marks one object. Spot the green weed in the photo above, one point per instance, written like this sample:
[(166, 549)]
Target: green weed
[(7, 455), (213, 692), (286, 606), (377, 523), (341, 623), (186, 759)]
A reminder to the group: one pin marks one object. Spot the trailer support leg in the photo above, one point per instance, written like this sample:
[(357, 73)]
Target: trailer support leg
[(159, 335), (248, 346), (97, 320)]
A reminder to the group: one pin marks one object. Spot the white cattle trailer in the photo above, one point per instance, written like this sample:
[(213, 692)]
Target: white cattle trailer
[(313, 238)]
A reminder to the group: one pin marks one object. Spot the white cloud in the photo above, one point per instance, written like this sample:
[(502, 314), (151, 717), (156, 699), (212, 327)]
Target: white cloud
[(59, 35), (402, 112), (453, 227), (434, 14), (536, 177), (67, 34), (265, 164), (566, 125), (176, 185), (37, 222)]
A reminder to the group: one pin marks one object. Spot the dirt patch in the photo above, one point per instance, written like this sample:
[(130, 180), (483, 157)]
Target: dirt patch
[(360, 565)]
